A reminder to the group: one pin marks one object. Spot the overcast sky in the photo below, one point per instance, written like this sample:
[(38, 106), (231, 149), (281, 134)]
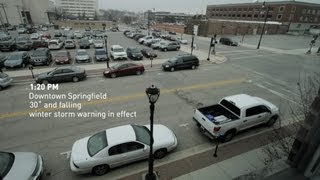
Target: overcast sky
[(184, 6)]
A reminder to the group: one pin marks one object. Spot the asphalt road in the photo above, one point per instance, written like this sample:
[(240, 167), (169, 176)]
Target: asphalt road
[(264, 74)]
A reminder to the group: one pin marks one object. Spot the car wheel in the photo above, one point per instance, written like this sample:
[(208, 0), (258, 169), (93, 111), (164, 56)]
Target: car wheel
[(177, 48), (100, 170), (161, 153), (172, 69), (193, 67), (272, 120), (113, 75), (228, 136), (165, 49), (23, 65), (48, 63), (1, 88), (44, 82), (138, 73), (75, 79)]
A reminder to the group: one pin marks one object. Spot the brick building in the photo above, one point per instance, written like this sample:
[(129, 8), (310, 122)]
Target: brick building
[(283, 17)]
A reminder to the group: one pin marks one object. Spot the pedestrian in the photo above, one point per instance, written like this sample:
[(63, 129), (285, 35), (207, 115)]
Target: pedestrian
[(195, 46)]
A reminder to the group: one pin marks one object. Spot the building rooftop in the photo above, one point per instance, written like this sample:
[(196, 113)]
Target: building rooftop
[(257, 3)]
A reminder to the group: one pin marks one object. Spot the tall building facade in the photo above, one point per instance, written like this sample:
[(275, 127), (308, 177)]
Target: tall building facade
[(24, 11), (86, 8)]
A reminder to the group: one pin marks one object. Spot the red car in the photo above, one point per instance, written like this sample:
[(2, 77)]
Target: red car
[(45, 36), (62, 57), (124, 70)]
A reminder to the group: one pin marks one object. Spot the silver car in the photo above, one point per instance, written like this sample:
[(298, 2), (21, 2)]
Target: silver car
[(5, 80), (98, 43), (69, 44), (118, 146), (82, 56), (20, 166)]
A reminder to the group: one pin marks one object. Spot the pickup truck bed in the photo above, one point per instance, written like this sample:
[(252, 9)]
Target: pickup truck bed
[(217, 114)]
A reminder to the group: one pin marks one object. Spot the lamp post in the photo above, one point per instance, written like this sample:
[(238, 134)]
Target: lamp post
[(153, 94), (264, 24)]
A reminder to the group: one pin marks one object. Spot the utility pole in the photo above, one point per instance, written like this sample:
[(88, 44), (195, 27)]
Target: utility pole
[(19, 12), (5, 13), (148, 22)]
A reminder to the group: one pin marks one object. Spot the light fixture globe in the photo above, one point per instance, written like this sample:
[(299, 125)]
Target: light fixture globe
[(153, 93)]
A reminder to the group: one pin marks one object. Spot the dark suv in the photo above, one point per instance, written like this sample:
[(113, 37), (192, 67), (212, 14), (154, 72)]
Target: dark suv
[(41, 56), (181, 62), (228, 41), (7, 43)]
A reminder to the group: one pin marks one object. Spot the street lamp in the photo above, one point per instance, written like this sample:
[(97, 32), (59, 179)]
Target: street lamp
[(153, 94), (264, 24)]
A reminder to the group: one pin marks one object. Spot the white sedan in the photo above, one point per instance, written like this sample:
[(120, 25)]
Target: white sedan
[(118, 146)]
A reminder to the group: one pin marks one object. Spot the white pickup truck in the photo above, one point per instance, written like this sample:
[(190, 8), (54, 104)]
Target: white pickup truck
[(233, 114)]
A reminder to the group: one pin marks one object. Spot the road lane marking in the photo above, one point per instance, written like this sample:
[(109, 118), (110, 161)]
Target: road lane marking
[(67, 153), (129, 97), (184, 125)]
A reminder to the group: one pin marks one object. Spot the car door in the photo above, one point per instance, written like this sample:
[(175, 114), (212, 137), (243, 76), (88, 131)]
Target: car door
[(25, 59), (123, 70), (67, 74), (254, 116), (179, 63), (56, 76), (132, 69)]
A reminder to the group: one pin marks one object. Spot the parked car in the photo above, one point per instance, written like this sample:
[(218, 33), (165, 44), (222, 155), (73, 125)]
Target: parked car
[(157, 45), (69, 44), (170, 46), (21, 165), (41, 56), (84, 43), (39, 44), (70, 35), (98, 43), (44, 29), (181, 62), (62, 74), (3, 58), (134, 54), (117, 52), (45, 35), (138, 36), (228, 41), (82, 56), (124, 69), (23, 43), (172, 32), (87, 33), (7, 43), (148, 53), (55, 44), (17, 59), (120, 145), (34, 36), (57, 34), (151, 41), (5, 81), (182, 41), (101, 55), (22, 30), (233, 114), (141, 40), (62, 57), (78, 34)]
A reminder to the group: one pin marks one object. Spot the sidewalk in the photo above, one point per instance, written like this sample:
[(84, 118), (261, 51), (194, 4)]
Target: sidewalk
[(96, 69), (239, 159)]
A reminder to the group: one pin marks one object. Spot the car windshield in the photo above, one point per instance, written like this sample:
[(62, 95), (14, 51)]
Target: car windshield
[(82, 53), (14, 57), (231, 107), (142, 134), (6, 161), (97, 142), (53, 43), (61, 54), (84, 41), (22, 38), (3, 75), (118, 49), (69, 41), (135, 51), (102, 52), (172, 60), (38, 53), (98, 41)]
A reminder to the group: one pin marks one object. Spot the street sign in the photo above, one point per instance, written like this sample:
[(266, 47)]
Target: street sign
[(195, 30)]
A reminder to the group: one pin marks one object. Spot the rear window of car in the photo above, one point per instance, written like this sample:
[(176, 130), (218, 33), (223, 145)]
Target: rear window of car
[(231, 107), (97, 142), (6, 162)]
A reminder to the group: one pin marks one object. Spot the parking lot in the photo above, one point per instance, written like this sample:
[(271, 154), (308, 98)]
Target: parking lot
[(114, 38)]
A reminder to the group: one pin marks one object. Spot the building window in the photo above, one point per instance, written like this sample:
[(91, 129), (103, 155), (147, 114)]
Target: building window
[(281, 8), (318, 11), (293, 9), (298, 25), (290, 17), (269, 16), (306, 19), (279, 16), (229, 15), (224, 15), (249, 15), (250, 9), (239, 9), (244, 15), (234, 9), (316, 19), (304, 11), (233, 15), (301, 18), (255, 16), (238, 15), (308, 11), (313, 11)]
